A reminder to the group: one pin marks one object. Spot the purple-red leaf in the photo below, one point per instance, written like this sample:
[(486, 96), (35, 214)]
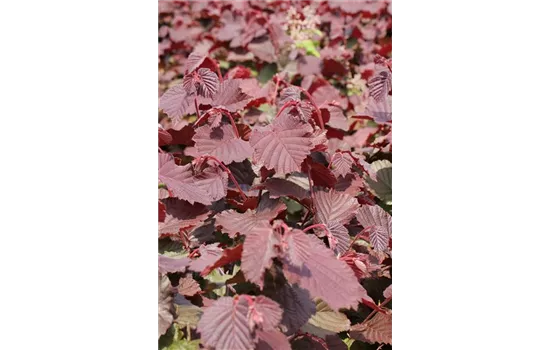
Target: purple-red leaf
[(258, 252), (297, 305), (283, 145), (176, 102), (334, 206), (341, 164), (188, 286), (380, 83), (376, 330), (229, 255), (179, 180), (234, 222), (281, 187), (265, 313), (181, 215), (273, 340), (170, 265), (203, 82), (325, 277), (230, 96), (165, 304), (222, 143), (209, 255), (224, 325), (379, 224), (387, 292)]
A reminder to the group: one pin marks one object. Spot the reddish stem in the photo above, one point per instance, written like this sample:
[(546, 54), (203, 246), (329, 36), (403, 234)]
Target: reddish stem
[(357, 236), (244, 197), (376, 310), (311, 187), (160, 149), (323, 226), (219, 73), (278, 80), (197, 109), (286, 105), (232, 123), (319, 116)]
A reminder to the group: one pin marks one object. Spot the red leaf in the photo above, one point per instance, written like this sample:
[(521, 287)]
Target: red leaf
[(265, 313), (222, 143), (229, 255), (336, 117), (209, 255), (188, 286), (244, 131), (376, 330), (380, 83), (320, 174), (258, 252), (379, 222), (325, 277), (166, 264), (281, 187), (183, 136), (194, 60), (204, 82), (273, 340), (230, 96), (263, 50), (165, 307), (164, 137), (334, 206), (176, 102), (387, 292), (224, 325), (297, 305), (233, 222), (181, 215), (283, 145), (341, 164), (179, 180)]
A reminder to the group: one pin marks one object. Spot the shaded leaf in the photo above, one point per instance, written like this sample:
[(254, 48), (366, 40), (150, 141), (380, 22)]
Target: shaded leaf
[(326, 321), (234, 222), (297, 307), (209, 254), (188, 286), (258, 252), (165, 305), (380, 224), (273, 340), (222, 143), (376, 330), (179, 180), (181, 215), (170, 265), (324, 276)]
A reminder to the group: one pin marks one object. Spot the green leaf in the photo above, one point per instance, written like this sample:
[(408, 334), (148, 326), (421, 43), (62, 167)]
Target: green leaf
[(188, 315), (382, 187), (219, 278), (292, 207), (348, 342), (309, 46), (267, 72), (326, 321), (317, 31), (223, 64), (351, 42), (185, 344)]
